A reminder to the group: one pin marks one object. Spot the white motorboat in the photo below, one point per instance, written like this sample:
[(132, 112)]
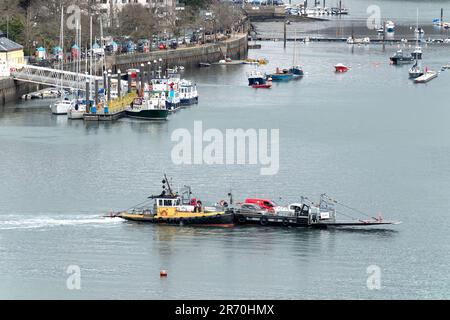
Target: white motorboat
[(62, 107), (77, 111)]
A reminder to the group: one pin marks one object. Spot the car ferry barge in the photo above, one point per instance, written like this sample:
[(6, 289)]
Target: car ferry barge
[(265, 212)]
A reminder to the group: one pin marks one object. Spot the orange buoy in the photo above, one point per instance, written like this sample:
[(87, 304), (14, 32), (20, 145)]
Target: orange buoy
[(163, 273)]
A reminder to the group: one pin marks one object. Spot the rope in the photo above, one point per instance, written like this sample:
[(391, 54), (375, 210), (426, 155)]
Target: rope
[(347, 215), (350, 208)]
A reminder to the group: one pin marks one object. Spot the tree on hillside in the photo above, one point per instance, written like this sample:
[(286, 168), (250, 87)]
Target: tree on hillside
[(11, 18), (137, 21), (196, 4)]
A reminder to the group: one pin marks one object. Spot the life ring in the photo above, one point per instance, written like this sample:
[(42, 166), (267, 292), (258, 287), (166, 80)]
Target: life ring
[(164, 213), (286, 222), (264, 221)]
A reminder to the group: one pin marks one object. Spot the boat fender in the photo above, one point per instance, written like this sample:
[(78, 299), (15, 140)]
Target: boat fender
[(160, 220), (242, 219), (285, 222), (264, 221)]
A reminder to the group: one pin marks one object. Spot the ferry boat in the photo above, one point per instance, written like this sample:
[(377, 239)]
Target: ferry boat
[(281, 75), (171, 208), (152, 108), (188, 93), (171, 89), (341, 68), (400, 58)]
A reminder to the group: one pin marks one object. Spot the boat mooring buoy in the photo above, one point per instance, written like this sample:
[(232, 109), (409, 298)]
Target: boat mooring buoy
[(163, 274)]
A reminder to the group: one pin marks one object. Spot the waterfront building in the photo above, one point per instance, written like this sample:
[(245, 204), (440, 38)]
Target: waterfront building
[(11, 54)]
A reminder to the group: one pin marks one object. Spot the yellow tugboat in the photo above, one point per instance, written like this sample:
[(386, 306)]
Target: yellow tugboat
[(179, 209)]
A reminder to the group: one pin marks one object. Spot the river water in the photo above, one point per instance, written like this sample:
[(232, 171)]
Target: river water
[(364, 13), (370, 138)]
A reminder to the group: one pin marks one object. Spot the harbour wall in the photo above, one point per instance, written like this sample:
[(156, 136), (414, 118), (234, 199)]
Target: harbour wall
[(11, 90), (236, 47)]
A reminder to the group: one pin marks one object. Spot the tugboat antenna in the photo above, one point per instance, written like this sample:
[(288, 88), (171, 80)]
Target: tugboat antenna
[(230, 194), (168, 185)]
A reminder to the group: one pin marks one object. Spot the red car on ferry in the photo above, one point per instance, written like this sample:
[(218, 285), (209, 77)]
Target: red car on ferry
[(265, 204)]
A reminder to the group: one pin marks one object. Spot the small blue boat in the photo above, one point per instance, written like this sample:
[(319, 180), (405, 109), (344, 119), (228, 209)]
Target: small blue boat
[(281, 75)]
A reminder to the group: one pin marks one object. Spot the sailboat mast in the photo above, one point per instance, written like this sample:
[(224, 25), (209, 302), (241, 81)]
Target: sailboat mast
[(294, 59), (102, 46), (417, 28), (61, 42), (90, 44)]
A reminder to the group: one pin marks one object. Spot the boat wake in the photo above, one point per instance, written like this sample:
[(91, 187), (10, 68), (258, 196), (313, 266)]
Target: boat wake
[(11, 222)]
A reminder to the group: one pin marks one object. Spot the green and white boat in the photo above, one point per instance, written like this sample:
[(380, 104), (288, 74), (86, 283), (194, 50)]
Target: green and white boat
[(153, 108)]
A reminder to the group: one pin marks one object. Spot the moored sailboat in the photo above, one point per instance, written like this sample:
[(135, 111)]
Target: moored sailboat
[(296, 70), (416, 70)]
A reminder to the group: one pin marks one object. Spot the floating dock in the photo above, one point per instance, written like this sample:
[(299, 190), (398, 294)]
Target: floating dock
[(113, 111), (254, 46), (428, 76)]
